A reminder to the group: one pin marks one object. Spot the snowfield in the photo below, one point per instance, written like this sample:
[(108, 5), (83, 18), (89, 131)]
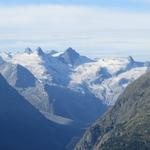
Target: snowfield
[(106, 78)]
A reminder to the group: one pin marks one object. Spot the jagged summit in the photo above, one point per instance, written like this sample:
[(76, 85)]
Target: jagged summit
[(72, 58), (69, 56), (28, 50), (130, 59), (70, 51), (39, 51)]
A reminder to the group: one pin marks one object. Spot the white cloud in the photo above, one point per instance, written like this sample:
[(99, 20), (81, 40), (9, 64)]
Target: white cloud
[(85, 28)]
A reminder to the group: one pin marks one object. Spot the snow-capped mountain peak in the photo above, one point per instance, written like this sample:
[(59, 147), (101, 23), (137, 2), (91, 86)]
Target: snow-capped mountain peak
[(71, 52), (72, 58), (28, 50), (69, 56), (43, 66), (130, 59), (39, 51)]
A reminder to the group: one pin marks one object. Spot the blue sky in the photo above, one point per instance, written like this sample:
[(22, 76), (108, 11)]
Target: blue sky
[(95, 28), (129, 4)]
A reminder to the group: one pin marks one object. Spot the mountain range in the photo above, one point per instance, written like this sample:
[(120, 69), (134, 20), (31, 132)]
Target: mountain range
[(105, 78), (68, 90)]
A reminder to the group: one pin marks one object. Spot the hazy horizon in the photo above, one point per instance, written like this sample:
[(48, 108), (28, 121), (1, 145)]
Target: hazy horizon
[(94, 29)]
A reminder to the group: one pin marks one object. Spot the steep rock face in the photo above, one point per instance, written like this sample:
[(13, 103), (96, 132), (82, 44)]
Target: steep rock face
[(23, 127), (72, 58), (81, 108), (27, 85), (126, 125), (17, 75)]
